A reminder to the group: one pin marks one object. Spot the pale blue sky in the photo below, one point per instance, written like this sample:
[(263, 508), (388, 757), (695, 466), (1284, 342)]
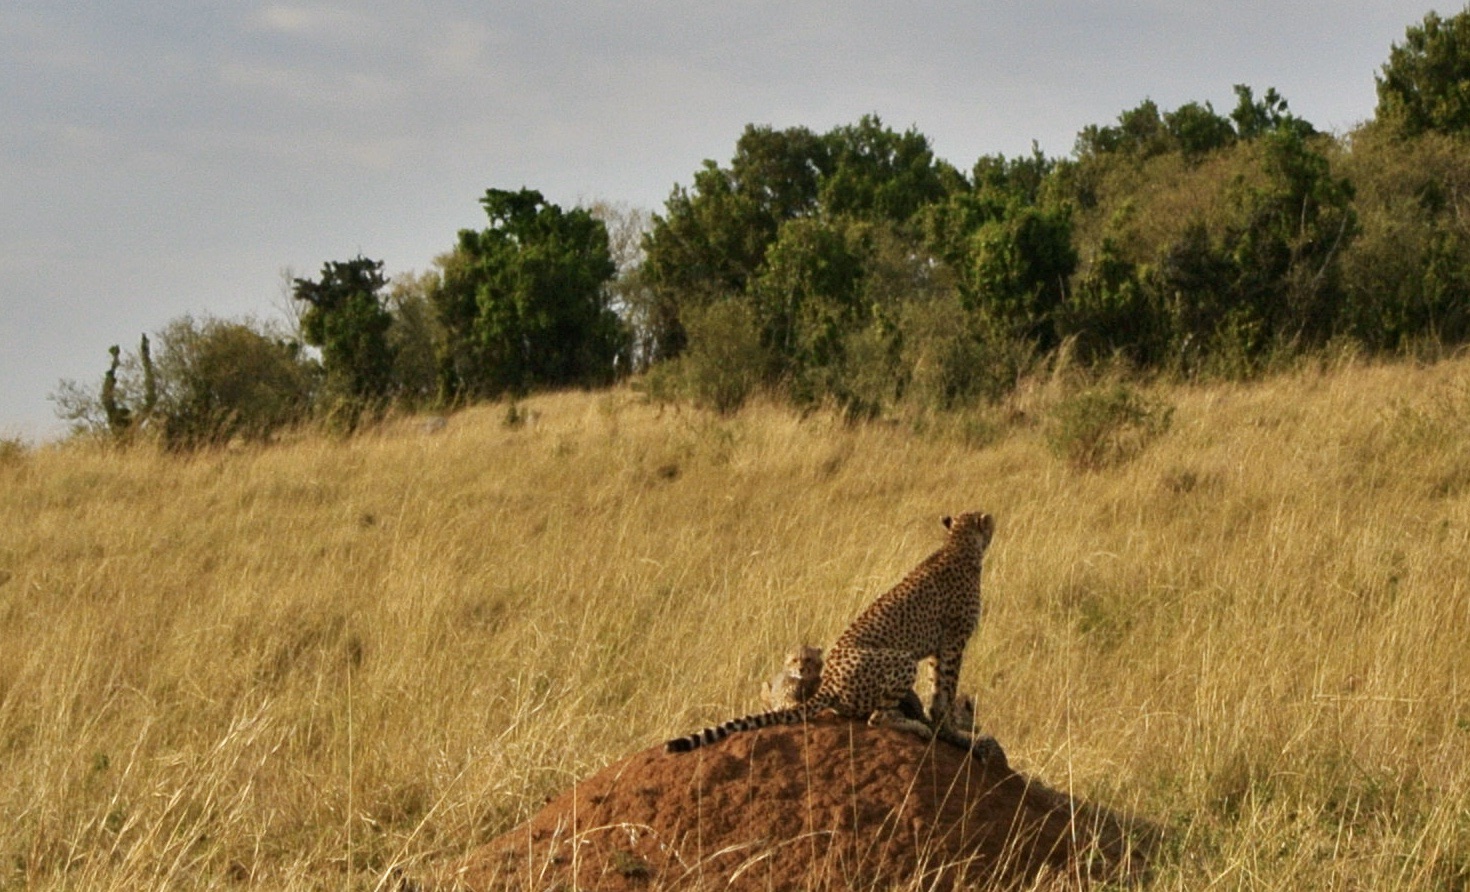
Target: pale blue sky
[(168, 157)]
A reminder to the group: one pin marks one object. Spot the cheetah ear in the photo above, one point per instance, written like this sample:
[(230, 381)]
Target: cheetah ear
[(987, 526), (948, 522)]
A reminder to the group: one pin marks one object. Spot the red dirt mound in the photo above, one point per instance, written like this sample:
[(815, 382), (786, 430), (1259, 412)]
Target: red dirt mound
[(833, 804)]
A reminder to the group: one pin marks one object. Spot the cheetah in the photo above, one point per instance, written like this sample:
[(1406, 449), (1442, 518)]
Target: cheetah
[(869, 671), (801, 674), (797, 681)]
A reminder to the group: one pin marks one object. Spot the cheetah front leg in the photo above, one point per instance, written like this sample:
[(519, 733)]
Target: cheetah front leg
[(946, 686)]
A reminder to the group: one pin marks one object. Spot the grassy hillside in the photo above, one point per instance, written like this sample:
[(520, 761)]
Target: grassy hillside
[(300, 666)]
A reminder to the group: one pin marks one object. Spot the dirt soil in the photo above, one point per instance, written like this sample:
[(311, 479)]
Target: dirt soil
[(833, 804)]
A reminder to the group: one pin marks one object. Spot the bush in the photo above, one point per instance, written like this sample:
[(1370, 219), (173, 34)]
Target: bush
[(219, 380), (725, 361), (955, 360), (1103, 426), (868, 378), (413, 339), (12, 451)]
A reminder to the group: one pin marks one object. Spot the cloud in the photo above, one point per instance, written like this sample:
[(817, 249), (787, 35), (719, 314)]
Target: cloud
[(340, 90), (323, 23)]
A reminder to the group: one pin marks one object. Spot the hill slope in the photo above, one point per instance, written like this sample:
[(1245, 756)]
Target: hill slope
[(332, 658)]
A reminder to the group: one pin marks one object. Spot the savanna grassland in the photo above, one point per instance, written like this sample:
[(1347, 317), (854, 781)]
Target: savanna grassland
[(303, 665)]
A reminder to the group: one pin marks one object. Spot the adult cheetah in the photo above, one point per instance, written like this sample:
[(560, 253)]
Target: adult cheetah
[(869, 671)]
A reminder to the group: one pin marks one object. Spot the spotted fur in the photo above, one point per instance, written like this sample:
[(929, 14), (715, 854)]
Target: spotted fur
[(869, 671)]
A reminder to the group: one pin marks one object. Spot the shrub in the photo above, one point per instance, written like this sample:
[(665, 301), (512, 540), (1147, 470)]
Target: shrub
[(955, 360), (1103, 426), (725, 361), (219, 380)]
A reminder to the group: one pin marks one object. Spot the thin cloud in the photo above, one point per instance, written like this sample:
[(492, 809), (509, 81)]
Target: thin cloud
[(321, 23), (342, 91)]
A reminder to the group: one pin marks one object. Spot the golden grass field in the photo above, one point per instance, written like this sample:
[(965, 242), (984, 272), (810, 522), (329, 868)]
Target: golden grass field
[(299, 667)]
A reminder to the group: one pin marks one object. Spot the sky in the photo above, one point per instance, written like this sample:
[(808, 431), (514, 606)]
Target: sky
[(175, 157)]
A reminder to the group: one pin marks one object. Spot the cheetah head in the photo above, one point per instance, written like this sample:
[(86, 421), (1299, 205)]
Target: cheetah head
[(979, 527), (804, 662)]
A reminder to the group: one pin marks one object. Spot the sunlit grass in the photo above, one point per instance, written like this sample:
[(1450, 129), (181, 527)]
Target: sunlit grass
[(303, 665)]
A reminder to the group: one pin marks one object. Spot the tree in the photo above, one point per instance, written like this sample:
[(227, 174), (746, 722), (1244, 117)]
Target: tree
[(1021, 178), (1110, 311), (1192, 129), (125, 401), (806, 299), (635, 302), (414, 339), (711, 239), (525, 301), (1289, 240), (150, 380), (1254, 265), (1270, 114), (1140, 133), (880, 174), (1196, 130), (1425, 85), (1017, 270), (1406, 276), (348, 319), (119, 417)]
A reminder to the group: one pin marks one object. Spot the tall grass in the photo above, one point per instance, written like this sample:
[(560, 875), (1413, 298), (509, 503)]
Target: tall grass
[(303, 666)]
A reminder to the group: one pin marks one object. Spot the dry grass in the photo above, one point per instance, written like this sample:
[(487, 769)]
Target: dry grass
[(301, 666)]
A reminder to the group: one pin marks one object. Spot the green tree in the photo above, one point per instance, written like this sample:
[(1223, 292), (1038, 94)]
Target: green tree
[(220, 379), (347, 317), (726, 360), (1425, 85), (1287, 247), (1406, 276), (1022, 178), (1255, 118), (1018, 268), (1193, 277), (806, 299), (525, 301), (124, 402), (150, 379), (880, 174), (1110, 310), (711, 239), (711, 243), (1196, 130), (1192, 130), (1140, 133), (633, 299)]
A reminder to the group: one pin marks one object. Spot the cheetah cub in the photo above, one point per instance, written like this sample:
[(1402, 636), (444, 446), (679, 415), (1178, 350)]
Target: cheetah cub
[(869, 672), (797, 681)]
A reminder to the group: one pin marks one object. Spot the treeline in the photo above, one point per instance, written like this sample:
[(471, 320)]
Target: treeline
[(854, 268), (526, 302)]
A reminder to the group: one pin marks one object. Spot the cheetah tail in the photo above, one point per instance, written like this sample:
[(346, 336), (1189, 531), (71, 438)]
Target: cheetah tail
[(717, 733)]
